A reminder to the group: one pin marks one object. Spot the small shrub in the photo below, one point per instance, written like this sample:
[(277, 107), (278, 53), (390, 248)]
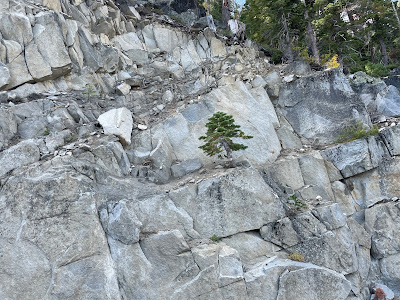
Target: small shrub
[(46, 132), (296, 203), (70, 138), (215, 238), (355, 131), (297, 257), (376, 70), (89, 91)]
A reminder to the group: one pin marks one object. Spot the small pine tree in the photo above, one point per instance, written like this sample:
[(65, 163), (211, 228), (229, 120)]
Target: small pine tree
[(221, 128)]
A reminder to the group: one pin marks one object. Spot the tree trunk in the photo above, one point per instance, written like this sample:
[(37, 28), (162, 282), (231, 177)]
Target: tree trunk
[(311, 37), (226, 15), (228, 153), (289, 50), (385, 56), (396, 14)]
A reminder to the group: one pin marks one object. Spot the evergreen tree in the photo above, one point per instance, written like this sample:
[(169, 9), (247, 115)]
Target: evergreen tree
[(221, 128)]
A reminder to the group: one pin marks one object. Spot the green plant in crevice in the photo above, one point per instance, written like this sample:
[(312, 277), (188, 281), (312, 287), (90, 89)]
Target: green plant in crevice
[(215, 238), (356, 130), (46, 131), (296, 203), (89, 91)]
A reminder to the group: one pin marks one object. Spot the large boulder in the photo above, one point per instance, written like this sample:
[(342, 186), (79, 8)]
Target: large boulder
[(118, 122), (354, 157), (319, 106), (388, 102), (236, 201), (182, 131), (24, 153)]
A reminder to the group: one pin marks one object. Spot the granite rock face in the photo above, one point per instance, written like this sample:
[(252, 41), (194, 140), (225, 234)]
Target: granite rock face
[(104, 193), (319, 106)]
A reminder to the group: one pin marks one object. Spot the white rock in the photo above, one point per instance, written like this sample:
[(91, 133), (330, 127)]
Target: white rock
[(123, 89), (142, 127), (118, 122), (288, 78)]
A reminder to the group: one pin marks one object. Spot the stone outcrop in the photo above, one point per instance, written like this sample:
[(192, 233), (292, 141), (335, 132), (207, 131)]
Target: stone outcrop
[(104, 193)]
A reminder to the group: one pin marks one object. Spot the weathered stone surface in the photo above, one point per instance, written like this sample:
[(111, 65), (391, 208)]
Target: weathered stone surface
[(4, 75), (388, 102), (220, 201), (24, 153), (120, 223), (390, 268), (319, 106), (354, 157), (118, 122), (299, 68), (391, 138), (389, 172), (251, 247), (49, 39), (343, 197), (8, 127), (273, 84), (185, 167), (286, 173), (382, 221), (325, 284)]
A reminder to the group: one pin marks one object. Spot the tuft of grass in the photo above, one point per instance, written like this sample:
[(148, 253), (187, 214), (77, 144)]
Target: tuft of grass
[(296, 203), (215, 238), (297, 257), (46, 131), (356, 130), (70, 138)]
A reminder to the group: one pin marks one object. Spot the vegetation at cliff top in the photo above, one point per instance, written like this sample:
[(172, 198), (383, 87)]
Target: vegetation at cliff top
[(364, 34)]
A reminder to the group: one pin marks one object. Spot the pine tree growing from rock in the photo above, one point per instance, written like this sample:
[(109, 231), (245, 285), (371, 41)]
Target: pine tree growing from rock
[(221, 128)]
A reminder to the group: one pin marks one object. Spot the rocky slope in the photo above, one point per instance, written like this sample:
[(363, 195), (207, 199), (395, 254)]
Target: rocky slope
[(126, 209)]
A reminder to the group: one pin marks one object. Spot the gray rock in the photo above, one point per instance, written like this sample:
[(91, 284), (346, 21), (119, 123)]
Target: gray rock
[(382, 223), (49, 39), (8, 127), (319, 106), (391, 139), (230, 266), (388, 102), (262, 281), (315, 174), (343, 197), (170, 258), (258, 81), (389, 267), (118, 122), (16, 277), (4, 75), (123, 89), (298, 68), (24, 153), (325, 284), (331, 216), (366, 188), (389, 171), (234, 202), (354, 157), (185, 167), (287, 136), (121, 223), (273, 84), (286, 173)]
